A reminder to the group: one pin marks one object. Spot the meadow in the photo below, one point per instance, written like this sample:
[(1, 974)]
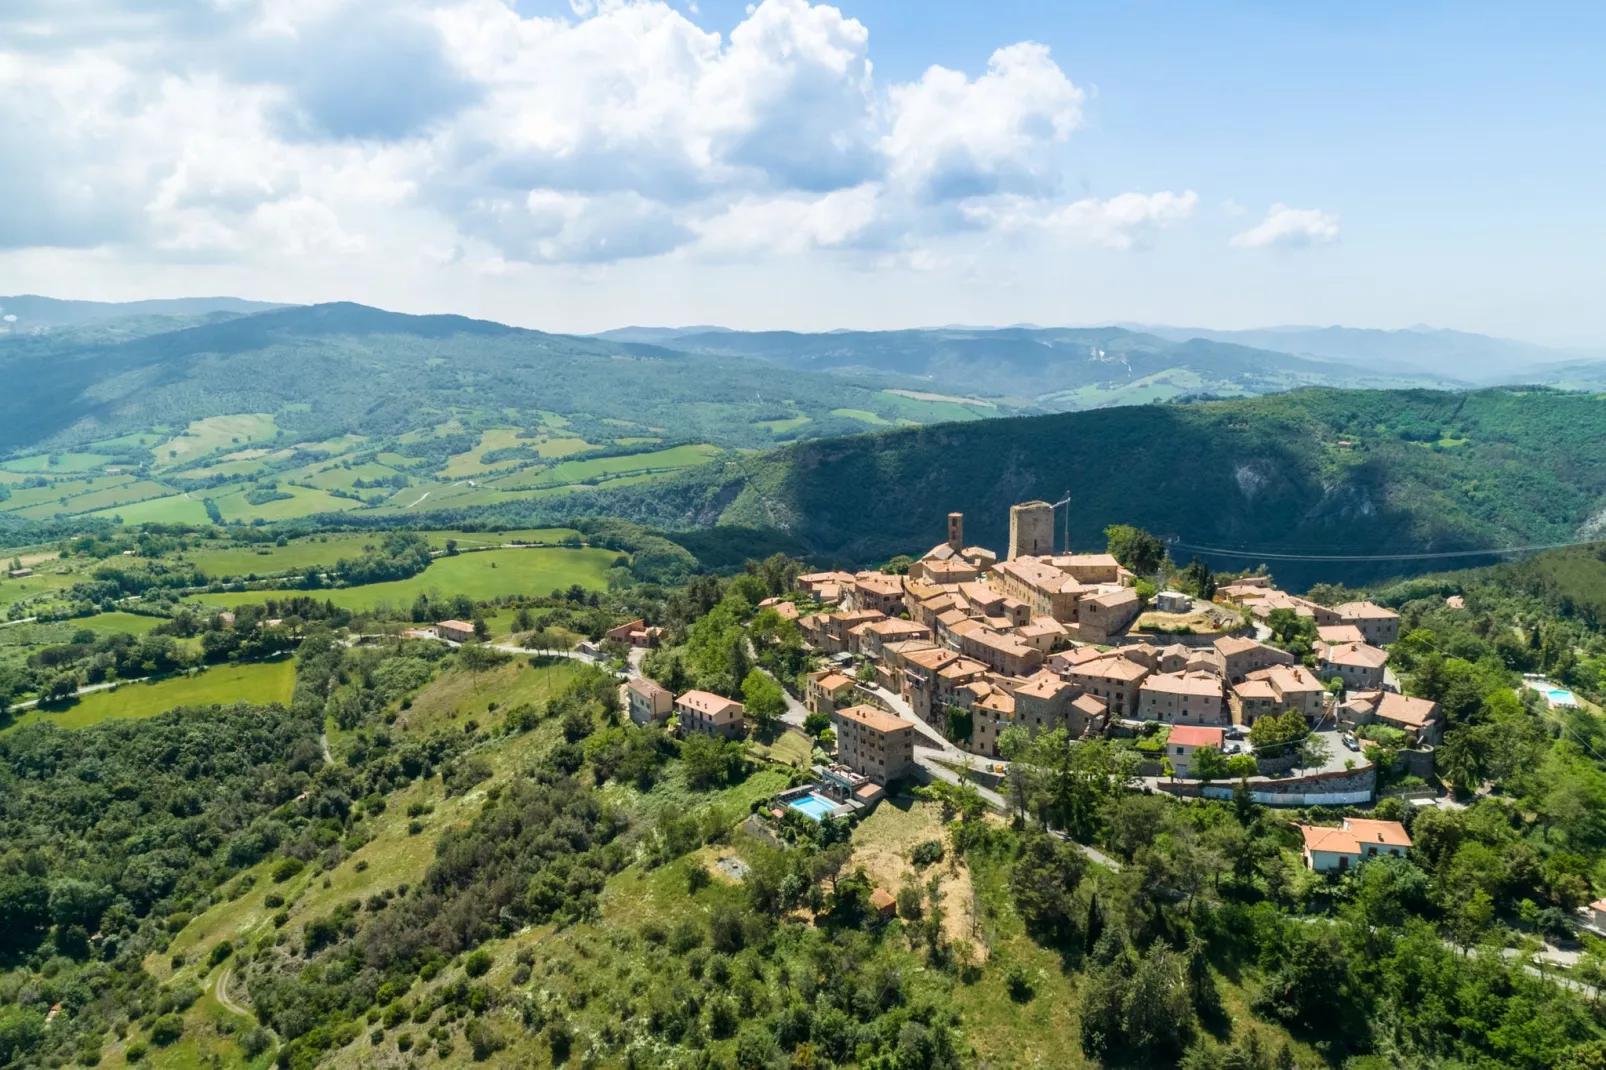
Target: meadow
[(484, 575), (260, 682)]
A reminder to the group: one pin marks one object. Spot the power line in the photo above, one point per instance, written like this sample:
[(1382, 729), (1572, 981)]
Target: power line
[(1264, 555)]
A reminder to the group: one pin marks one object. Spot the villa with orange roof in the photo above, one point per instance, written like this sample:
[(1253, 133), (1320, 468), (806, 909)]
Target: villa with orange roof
[(1334, 850)]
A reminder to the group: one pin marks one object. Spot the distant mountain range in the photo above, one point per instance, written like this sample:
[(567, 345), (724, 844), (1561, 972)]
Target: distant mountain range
[(1453, 355), (26, 312), (1055, 369)]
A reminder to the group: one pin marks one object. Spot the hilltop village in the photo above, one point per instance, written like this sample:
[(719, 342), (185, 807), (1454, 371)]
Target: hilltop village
[(966, 645)]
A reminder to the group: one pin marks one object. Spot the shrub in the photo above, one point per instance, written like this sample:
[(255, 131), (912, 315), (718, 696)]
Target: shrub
[(135, 1051), (478, 964), (1019, 983), (273, 900), (286, 868), (697, 878), (166, 1029), (926, 853)]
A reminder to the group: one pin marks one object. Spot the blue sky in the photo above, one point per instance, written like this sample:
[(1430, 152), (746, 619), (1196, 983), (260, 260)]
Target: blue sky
[(877, 164)]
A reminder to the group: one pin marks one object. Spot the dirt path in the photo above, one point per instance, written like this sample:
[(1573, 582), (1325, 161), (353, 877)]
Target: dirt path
[(220, 988)]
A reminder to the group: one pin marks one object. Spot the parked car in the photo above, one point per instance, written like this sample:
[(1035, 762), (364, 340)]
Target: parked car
[(1349, 741)]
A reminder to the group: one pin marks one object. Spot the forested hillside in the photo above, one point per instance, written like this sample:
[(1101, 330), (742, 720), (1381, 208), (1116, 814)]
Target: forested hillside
[(1313, 472)]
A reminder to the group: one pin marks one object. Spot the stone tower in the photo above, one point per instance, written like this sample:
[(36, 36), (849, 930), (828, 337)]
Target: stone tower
[(956, 531), (1031, 529)]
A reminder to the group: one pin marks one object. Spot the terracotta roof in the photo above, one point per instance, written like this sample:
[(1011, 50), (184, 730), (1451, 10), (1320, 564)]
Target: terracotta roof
[(1355, 832), (1365, 611), (932, 658), (1357, 654), (1177, 683), (457, 625), (1340, 633), (870, 717), (706, 702), (647, 688), (1087, 560), (1111, 667), (1044, 685), (1109, 599), (1194, 735), (1288, 678), (961, 667), (879, 582), (998, 702), (1090, 705), (1418, 712), (952, 617), (1368, 830), (1228, 645), (1254, 689), (826, 577), (881, 899), (1334, 840), (1082, 654), (834, 682)]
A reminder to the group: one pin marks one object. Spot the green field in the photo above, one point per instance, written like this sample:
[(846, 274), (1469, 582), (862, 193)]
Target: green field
[(174, 509), (570, 472), (65, 462), (265, 681), (861, 415), (480, 576), (303, 502), (118, 623), (211, 434), (297, 556), (13, 591)]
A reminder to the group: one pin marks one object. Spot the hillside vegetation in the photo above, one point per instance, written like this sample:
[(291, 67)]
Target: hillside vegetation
[(1312, 472)]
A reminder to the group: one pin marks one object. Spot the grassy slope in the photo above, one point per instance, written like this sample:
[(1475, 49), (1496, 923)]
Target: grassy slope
[(482, 575), (259, 682)]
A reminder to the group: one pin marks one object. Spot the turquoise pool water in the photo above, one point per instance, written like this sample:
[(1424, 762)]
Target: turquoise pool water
[(1561, 697), (814, 806)]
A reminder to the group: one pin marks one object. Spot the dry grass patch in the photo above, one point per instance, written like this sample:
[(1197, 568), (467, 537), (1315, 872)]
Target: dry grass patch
[(884, 843)]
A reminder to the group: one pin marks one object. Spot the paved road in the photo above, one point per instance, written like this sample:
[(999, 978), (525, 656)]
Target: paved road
[(82, 691), (796, 712), (897, 705), (14, 623)]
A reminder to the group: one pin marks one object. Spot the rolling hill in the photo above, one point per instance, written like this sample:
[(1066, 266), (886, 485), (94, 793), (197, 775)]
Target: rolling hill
[(1316, 472), (1059, 369)]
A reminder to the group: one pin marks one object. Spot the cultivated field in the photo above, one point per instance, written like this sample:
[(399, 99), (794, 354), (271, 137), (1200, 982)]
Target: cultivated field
[(260, 682)]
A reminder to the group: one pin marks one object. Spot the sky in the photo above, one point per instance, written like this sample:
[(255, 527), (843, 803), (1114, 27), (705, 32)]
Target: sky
[(576, 165)]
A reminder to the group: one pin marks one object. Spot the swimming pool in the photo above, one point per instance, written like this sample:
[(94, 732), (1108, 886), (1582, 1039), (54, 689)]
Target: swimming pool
[(1560, 697), (814, 806)]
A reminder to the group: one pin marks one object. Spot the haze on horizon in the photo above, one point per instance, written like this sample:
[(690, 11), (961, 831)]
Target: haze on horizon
[(590, 165)]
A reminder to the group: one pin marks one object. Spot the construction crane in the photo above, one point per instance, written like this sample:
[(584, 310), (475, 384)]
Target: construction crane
[(1066, 501)]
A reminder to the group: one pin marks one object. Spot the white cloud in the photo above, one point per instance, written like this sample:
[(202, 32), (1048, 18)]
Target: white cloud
[(1119, 222), (463, 132), (953, 137), (1286, 227)]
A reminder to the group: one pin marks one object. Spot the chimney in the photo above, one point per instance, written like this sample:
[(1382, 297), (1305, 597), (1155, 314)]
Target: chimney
[(956, 531)]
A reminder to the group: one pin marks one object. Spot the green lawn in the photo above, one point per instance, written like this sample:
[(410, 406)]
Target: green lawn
[(482, 575), (118, 623), (260, 682)]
